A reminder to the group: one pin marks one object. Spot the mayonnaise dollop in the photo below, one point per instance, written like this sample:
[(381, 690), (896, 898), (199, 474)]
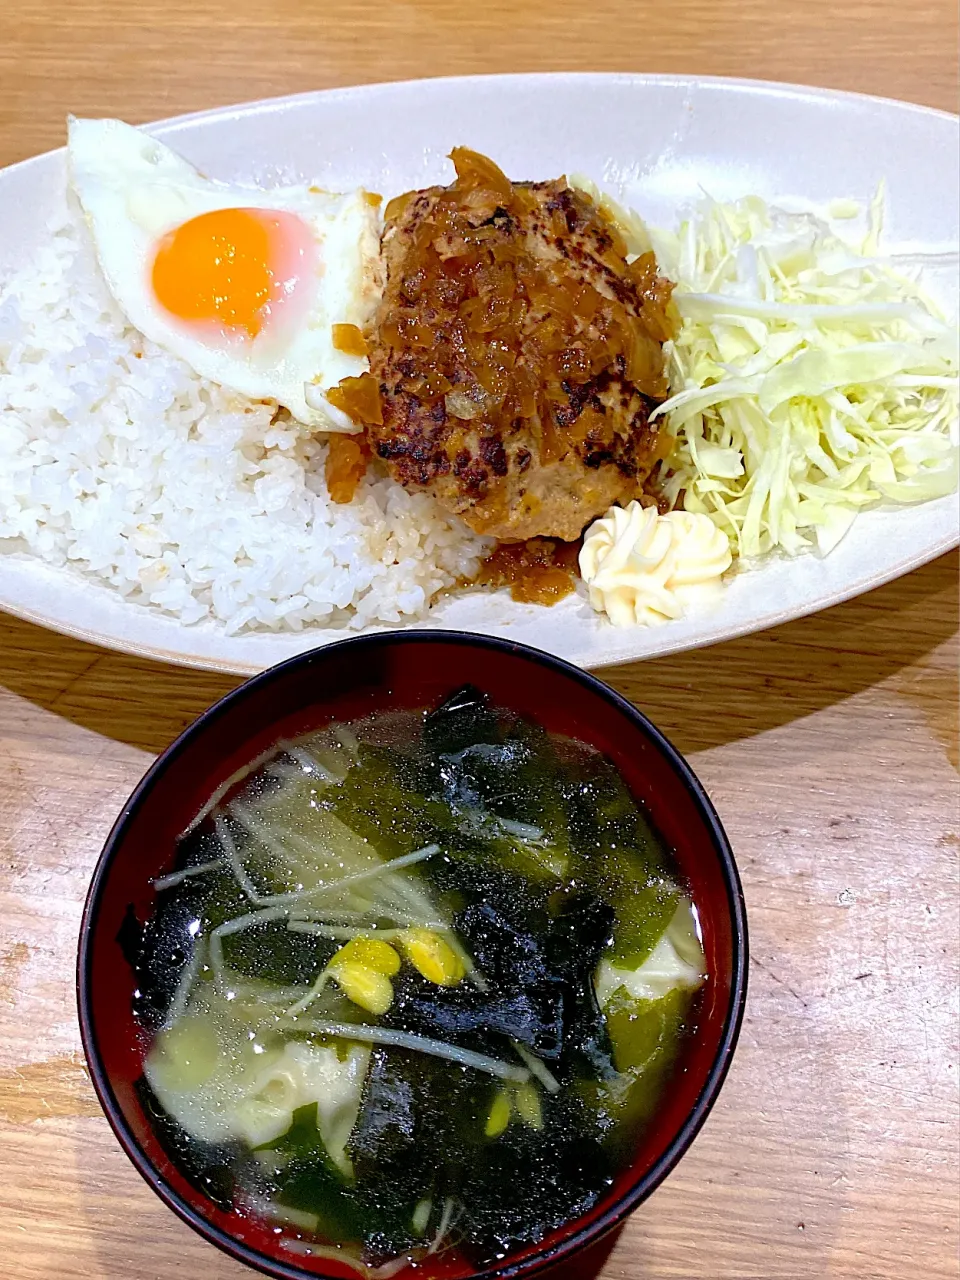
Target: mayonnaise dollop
[(642, 568)]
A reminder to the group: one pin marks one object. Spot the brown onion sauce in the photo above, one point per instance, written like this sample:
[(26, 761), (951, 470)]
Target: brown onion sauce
[(544, 570), (347, 460), (538, 571)]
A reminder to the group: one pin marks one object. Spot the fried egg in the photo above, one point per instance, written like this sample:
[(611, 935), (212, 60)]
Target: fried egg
[(266, 292)]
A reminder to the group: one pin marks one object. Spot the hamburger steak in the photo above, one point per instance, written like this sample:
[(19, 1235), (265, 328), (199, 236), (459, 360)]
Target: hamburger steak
[(518, 353)]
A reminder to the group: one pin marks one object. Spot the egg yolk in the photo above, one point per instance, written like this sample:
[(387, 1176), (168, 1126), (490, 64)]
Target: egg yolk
[(231, 267)]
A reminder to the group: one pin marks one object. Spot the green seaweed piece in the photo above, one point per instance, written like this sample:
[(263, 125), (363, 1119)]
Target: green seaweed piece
[(643, 913), (647, 1038), (502, 792), (462, 720), (606, 820), (307, 1181), (529, 1182), (302, 1138), (618, 855), (385, 799), (168, 939), (270, 953), (211, 1166), (420, 1125), (644, 1031)]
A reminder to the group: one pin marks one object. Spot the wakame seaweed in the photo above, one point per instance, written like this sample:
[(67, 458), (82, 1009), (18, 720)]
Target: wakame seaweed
[(399, 1001)]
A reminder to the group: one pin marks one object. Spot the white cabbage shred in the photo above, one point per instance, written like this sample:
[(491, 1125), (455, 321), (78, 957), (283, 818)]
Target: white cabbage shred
[(810, 378)]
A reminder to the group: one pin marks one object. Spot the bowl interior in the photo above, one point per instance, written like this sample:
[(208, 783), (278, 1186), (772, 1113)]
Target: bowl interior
[(341, 683)]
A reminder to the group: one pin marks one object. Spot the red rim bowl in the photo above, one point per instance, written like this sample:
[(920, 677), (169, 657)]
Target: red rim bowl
[(344, 681)]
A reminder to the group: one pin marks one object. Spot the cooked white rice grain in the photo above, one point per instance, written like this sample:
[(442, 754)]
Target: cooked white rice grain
[(118, 462)]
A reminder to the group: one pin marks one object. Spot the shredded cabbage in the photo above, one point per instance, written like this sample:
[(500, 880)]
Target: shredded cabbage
[(810, 378)]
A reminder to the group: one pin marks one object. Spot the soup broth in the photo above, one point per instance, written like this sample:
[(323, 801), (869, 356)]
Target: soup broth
[(416, 985)]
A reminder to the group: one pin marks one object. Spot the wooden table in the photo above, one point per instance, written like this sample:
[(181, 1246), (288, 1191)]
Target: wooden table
[(829, 745)]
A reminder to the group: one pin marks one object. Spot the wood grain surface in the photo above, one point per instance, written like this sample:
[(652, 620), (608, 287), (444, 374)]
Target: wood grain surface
[(829, 745)]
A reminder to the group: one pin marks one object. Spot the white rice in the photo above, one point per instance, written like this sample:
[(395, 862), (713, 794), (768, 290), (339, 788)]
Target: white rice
[(118, 462)]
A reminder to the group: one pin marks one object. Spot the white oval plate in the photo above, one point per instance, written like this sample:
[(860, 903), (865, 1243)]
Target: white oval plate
[(657, 140)]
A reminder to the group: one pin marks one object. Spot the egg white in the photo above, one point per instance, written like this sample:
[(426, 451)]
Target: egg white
[(133, 190)]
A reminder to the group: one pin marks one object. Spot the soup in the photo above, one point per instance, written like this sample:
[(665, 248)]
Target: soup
[(416, 986)]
